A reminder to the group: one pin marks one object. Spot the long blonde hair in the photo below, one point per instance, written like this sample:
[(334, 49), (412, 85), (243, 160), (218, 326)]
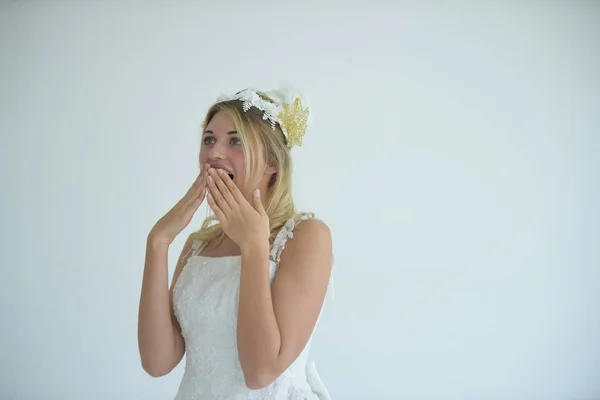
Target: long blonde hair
[(258, 137)]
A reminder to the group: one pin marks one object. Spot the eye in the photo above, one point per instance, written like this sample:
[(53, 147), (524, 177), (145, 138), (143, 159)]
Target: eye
[(208, 140), (236, 141)]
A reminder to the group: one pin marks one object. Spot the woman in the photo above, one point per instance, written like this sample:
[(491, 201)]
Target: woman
[(249, 286)]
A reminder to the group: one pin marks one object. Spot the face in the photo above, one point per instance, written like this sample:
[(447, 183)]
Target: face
[(222, 148)]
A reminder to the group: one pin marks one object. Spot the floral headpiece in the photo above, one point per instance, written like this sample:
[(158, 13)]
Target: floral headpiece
[(289, 109)]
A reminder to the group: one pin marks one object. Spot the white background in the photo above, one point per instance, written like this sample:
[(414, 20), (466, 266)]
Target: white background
[(454, 154)]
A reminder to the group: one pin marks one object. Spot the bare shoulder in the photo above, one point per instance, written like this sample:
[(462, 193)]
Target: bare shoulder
[(312, 230), (311, 243)]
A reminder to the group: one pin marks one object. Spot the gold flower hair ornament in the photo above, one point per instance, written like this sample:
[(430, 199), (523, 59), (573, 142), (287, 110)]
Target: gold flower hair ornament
[(289, 109)]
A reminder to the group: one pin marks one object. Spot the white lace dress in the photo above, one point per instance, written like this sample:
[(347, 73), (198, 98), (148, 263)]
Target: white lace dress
[(205, 300)]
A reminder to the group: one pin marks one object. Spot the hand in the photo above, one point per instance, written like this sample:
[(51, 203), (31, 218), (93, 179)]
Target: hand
[(178, 218), (246, 224)]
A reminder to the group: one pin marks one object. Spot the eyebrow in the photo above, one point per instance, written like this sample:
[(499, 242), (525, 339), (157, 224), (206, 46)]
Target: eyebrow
[(229, 133)]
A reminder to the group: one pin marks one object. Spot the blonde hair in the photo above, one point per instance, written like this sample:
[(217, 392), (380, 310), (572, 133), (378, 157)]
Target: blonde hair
[(258, 139)]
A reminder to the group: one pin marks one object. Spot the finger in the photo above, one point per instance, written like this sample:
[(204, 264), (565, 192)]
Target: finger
[(194, 205), (199, 181), (189, 196), (233, 189), (197, 191), (200, 193), (195, 184), (213, 205), (256, 200), (220, 178), (217, 195)]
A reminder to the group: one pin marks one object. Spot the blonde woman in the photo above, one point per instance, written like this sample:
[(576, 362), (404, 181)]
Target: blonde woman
[(249, 286)]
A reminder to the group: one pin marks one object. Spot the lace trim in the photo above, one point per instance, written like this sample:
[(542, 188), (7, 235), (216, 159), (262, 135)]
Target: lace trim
[(285, 233), (196, 247)]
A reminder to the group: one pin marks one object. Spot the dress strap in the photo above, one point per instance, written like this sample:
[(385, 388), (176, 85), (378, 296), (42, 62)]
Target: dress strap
[(196, 247), (191, 252), (286, 232)]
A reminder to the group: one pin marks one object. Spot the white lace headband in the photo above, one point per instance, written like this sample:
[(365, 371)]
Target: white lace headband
[(289, 109)]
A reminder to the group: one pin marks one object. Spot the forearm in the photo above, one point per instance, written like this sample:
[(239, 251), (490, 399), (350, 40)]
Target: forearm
[(259, 339), (156, 334)]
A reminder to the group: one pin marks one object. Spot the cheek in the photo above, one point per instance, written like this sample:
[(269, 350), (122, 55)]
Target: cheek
[(203, 157), (240, 168), (237, 161)]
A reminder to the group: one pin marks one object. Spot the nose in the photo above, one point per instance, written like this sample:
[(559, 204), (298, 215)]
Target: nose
[(216, 152)]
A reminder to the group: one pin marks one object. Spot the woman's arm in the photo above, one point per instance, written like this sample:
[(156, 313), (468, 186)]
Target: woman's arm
[(160, 342), (276, 321)]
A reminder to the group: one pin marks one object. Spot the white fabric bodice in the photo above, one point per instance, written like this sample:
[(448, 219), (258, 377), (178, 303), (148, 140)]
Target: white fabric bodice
[(205, 300)]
